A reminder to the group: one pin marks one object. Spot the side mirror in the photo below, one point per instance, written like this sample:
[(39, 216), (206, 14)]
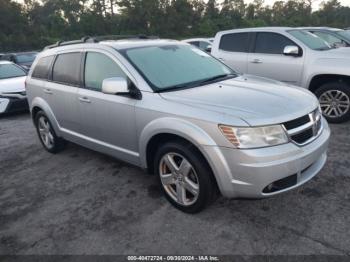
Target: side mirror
[(208, 49), (115, 85), (291, 50)]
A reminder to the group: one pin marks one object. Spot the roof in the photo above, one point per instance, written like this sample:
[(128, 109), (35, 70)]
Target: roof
[(21, 53), (319, 28), (207, 39), (257, 29), (134, 43), (4, 62)]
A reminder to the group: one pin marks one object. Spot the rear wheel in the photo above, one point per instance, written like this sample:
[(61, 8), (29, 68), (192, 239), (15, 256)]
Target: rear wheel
[(48, 138), (334, 100), (185, 177)]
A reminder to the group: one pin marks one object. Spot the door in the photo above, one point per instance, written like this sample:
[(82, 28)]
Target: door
[(233, 51), (268, 60), (107, 120), (62, 90)]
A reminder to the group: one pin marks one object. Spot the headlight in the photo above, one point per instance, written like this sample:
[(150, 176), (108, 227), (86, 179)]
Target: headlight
[(254, 137)]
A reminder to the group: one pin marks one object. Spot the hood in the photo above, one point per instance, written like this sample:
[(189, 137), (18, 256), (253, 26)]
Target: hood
[(257, 101), (12, 85)]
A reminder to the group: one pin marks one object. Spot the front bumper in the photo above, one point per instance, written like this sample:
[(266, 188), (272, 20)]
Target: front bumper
[(248, 173), (13, 104)]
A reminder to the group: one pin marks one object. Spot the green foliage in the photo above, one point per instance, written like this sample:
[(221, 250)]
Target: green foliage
[(34, 24)]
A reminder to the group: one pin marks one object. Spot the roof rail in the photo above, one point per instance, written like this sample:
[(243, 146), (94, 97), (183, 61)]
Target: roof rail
[(96, 39)]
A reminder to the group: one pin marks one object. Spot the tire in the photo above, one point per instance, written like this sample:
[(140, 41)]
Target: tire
[(334, 98), (189, 190), (53, 144)]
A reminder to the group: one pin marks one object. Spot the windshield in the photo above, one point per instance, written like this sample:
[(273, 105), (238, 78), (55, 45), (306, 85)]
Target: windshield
[(26, 58), (9, 71), (345, 34), (310, 40), (176, 66)]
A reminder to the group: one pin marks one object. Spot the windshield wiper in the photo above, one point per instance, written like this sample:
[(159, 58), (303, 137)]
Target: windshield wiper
[(218, 77), (197, 83)]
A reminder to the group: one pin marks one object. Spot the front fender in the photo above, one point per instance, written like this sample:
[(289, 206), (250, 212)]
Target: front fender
[(44, 106), (174, 126), (198, 137)]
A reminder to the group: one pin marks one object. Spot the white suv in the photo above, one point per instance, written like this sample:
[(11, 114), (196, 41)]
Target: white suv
[(293, 56)]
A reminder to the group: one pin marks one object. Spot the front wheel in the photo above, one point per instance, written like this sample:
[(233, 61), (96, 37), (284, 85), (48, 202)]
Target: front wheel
[(185, 177), (334, 100)]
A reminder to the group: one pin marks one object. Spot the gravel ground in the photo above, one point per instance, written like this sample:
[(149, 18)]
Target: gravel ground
[(83, 202)]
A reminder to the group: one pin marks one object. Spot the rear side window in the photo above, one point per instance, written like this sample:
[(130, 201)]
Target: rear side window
[(42, 68), (66, 69), (237, 42), (271, 43), (99, 67)]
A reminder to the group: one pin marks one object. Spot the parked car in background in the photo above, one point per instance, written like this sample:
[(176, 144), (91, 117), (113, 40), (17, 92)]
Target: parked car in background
[(293, 56), (12, 88), (1, 55), (175, 110), (202, 43), (24, 59), (333, 36)]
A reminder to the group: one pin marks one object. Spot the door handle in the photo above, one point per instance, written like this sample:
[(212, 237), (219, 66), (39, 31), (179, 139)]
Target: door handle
[(48, 91), (84, 99), (256, 61), (220, 58)]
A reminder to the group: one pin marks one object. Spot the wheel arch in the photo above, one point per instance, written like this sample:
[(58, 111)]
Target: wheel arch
[(39, 104), (318, 80), (169, 129)]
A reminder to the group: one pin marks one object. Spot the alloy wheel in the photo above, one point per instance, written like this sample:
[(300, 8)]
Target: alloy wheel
[(179, 179), (46, 135), (334, 103)]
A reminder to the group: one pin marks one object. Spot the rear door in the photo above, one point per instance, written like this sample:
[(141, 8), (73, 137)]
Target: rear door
[(62, 89), (233, 50), (268, 60)]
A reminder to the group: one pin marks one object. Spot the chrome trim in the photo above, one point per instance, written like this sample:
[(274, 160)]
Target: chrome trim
[(315, 121)]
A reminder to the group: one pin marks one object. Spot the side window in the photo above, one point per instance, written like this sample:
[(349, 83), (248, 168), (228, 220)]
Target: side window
[(99, 67), (195, 43), (42, 68), (236, 42), (271, 43), (66, 69), (203, 45)]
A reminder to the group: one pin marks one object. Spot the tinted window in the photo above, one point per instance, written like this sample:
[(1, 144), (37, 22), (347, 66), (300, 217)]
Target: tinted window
[(237, 42), (195, 43), (203, 45), (271, 43), (41, 69), (67, 69), (10, 71), (99, 67), (26, 58)]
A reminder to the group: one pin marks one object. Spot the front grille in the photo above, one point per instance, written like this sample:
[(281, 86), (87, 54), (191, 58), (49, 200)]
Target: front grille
[(303, 136), (297, 122), (304, 129)]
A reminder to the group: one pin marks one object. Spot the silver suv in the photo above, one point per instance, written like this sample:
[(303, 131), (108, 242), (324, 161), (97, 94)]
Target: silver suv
[(294, 56), (171, 108)]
